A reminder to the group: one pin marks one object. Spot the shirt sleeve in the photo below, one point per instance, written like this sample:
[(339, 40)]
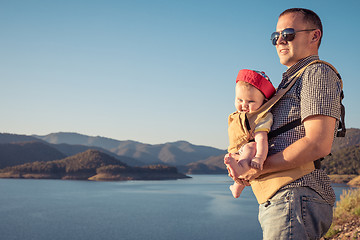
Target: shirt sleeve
[(320, 92)]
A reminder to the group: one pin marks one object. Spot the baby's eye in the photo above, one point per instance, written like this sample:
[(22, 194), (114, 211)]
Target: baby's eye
[(239, 100)]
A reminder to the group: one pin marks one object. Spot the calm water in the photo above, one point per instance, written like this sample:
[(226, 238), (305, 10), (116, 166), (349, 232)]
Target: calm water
[(197, 208)]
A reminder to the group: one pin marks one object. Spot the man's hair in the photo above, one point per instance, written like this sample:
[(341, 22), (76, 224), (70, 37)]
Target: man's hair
[(308, 16)]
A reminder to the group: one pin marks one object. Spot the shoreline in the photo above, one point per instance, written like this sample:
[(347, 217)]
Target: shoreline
[(347, 179)]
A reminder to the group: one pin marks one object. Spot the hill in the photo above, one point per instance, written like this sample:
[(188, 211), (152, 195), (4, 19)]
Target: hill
[(188, 158), (345, 154), (15, 138), (70, 150), (79, 139), (16, 153), (211, 165), (91, 164), (178, 153), (344, 161), (351, 138)]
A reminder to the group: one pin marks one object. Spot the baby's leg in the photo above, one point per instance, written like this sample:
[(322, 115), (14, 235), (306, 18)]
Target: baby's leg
[(241, 166), (236, 189)]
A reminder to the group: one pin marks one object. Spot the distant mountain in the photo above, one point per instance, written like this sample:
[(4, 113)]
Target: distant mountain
[(212, 165), (202, 168), (92, 165), (217, 161), (188, 158), (19, 152), (15, 138), (79, 139), (12, 154), (70, 150), (177, 153)]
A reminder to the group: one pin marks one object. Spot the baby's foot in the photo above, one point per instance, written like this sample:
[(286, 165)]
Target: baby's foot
[(232, 166), (236, 189), (257, 163)]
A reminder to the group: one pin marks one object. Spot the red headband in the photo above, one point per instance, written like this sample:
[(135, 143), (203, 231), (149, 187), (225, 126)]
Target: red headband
[(258, 80)]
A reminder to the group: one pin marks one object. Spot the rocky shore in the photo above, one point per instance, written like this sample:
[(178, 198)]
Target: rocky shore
[(348, 230)]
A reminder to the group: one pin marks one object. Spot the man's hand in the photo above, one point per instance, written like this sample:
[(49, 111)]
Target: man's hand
[(251, 174)]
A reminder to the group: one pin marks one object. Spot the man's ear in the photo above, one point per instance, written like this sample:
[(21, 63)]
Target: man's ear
[(316, 35)]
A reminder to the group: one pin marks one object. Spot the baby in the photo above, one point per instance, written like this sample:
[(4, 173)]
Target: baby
[(252, 90)]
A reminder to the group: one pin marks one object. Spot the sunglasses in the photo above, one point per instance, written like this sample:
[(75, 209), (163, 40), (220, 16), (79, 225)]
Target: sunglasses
[(288, 34)]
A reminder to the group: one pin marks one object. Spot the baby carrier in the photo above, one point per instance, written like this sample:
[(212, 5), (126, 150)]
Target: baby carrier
[(247, 122), (267, 185)]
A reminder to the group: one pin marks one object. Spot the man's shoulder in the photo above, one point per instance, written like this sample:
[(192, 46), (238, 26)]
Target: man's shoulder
[(320, 68), (320, 65)]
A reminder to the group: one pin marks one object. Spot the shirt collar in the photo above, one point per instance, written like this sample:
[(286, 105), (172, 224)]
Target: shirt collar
[(287, 76), (297, 66)]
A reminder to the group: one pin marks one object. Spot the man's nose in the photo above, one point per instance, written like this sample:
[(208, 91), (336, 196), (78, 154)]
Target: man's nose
[(281, 40)]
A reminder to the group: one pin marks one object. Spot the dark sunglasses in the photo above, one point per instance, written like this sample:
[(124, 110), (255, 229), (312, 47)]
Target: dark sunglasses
[(288, 34)]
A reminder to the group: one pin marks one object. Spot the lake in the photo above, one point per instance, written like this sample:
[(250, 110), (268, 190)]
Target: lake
[(200, 208)]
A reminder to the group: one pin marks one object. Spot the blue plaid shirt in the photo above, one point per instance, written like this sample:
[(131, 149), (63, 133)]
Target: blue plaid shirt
[(316, 92)]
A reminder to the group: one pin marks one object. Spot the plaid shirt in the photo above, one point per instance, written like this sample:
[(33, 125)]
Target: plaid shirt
[(316, 92)]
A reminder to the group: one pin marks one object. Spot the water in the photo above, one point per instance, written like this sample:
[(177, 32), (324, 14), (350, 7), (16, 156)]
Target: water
[(339, 188), (197, 208)]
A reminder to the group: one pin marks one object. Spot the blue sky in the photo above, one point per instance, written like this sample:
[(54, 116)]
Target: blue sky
[(150, 71)]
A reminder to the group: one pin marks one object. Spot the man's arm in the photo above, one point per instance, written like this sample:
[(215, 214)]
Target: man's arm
[(319, 135)]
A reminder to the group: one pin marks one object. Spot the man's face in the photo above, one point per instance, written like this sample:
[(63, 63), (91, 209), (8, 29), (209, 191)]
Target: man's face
[(290, 52)]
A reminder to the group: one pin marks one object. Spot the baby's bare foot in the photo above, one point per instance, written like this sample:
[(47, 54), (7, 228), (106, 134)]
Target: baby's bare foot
[(232, 165), (236, 189), (236, 166)]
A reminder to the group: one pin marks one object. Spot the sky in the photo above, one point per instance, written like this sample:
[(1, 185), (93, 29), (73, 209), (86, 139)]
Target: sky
[(152, 71)]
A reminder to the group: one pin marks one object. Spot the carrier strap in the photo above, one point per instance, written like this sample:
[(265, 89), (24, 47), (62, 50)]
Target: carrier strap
[(297, 122), (287, 127), (284, 128)]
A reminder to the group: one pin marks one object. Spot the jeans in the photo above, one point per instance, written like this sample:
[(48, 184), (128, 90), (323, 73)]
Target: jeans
[(295, 213)]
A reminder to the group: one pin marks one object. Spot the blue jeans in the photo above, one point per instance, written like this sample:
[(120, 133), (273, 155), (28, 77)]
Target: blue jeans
[(295, 213)]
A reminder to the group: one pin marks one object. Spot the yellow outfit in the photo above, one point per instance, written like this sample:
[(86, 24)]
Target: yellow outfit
[(238, 137)]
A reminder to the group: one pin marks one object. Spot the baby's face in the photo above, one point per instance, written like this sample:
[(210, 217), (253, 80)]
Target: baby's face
[(248, 98)]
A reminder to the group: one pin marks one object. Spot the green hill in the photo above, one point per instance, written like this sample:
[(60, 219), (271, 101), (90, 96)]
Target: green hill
[(343, 161), (351, 138)]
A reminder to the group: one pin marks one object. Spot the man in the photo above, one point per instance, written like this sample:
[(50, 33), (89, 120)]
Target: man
[(299, 208)]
